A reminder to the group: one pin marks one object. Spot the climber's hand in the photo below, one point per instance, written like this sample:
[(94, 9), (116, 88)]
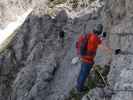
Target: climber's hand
[(75, 60), (117, 51)]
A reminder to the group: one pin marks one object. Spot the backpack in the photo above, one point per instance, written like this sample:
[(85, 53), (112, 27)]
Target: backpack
[(81, 45)]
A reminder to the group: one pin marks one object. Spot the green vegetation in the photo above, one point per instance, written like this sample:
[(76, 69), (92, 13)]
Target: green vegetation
[(93, 81), (90, 84), (90, 1), (70, 3), (74, 3), (56, 2), (74, 95), (53, 3)]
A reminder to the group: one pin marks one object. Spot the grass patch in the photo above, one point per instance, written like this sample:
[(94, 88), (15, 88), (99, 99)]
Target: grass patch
[(53, 3), (90, 1), (92, 82), (74, 3), (73, 95)]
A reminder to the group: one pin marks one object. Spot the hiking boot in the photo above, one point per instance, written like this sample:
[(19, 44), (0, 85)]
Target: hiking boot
[(83, 90)]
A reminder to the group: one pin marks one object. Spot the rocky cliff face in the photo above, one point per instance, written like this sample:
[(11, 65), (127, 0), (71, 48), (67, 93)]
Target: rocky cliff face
[(36, 67), (119, 20), (37, 35), (117, 15)]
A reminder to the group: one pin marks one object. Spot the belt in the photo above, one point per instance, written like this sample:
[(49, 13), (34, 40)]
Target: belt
[(90, 53), (87, 59)]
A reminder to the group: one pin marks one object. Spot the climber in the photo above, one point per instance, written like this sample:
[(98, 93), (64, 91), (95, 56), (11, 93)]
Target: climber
[(86, 49), (61, 38)]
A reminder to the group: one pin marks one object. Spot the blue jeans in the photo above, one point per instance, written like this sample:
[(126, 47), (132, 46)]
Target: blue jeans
[(84, 72)]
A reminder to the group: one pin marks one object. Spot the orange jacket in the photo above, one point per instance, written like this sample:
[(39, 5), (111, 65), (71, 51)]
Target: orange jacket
[(93, 42)]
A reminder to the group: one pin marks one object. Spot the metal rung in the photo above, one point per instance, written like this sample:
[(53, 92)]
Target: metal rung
[(116, 91), (122, 34), (124, 90), (126, 53)]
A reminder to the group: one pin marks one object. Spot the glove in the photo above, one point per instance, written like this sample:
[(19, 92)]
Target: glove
[(117, 51)]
